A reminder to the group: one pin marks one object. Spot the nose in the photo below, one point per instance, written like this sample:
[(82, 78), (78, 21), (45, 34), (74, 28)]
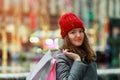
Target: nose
[(78, 34)]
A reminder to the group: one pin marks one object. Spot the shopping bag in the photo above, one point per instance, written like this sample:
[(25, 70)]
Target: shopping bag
[(52, 72), (45, 69)]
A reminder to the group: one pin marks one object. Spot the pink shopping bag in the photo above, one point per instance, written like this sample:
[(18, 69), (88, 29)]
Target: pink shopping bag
[(52, 73)]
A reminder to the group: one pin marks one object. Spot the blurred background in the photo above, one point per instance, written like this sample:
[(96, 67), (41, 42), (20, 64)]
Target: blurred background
[(28, 28)]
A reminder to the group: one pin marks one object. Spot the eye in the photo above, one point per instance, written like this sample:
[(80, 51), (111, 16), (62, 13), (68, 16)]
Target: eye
[(81, 30), (72, 32)]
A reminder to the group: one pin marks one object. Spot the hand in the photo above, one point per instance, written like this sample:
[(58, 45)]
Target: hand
[(71, 55)]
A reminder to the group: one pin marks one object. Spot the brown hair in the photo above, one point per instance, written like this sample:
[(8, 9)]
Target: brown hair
[(84, 50)]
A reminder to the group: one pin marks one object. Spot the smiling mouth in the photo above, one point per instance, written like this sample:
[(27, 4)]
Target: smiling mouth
[(78, 40)]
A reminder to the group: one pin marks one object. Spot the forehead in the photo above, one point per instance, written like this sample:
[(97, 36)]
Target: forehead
[(76, 29)]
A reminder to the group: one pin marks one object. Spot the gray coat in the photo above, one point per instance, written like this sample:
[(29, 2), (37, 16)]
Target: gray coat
[(68, 69)]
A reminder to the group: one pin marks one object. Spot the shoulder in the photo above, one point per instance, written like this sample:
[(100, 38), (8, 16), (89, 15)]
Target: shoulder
[(92, 65), (91, 68)]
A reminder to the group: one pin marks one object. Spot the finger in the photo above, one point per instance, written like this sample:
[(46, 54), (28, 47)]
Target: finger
[(65, 50)]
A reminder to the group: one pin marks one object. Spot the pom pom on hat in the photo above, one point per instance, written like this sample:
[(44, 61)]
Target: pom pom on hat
[(69, 21)]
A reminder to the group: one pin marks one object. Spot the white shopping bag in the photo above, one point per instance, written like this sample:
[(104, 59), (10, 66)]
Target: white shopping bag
[(41, 70)]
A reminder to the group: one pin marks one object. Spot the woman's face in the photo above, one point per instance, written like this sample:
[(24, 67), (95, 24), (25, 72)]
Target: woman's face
[(76, 36)]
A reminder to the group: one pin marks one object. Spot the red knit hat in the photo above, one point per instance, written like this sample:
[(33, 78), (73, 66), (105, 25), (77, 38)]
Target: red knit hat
[(69, 21)]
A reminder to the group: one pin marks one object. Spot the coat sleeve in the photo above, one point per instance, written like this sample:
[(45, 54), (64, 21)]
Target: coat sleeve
[(74, 72)]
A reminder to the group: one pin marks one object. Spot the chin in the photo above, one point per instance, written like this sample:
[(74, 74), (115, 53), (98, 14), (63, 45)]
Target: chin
[(78, 44)]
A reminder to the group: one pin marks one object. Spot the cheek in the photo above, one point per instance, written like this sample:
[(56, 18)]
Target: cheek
[(82, 36), (71, 37)]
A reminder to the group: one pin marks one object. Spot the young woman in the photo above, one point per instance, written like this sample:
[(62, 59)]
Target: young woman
[(78, 61)]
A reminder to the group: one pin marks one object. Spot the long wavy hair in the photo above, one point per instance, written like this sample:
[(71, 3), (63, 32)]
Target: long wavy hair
[(85, 51)]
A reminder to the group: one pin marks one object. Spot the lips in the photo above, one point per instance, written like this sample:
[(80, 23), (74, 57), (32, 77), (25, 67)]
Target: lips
[(78, 39)]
